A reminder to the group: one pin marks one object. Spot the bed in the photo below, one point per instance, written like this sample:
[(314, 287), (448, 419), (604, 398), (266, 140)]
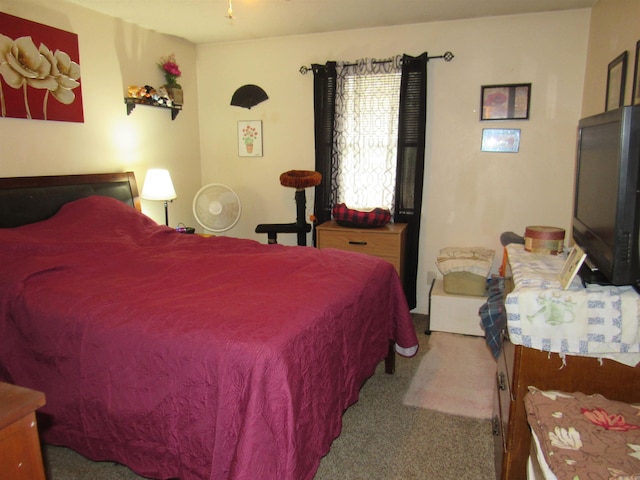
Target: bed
[(178, 355)]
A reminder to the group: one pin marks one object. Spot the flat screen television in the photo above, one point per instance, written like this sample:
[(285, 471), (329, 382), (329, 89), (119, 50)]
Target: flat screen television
[(606, 221)]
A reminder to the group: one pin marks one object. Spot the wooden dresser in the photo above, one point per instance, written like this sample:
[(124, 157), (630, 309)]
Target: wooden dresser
[(20, 454), (386, 242), (519, 367)]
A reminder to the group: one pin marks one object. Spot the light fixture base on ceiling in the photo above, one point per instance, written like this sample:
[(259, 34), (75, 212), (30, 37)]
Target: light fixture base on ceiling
[(230, 14)]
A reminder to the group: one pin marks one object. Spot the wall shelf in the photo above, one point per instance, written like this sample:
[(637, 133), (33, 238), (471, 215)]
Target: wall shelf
[(133, 102)]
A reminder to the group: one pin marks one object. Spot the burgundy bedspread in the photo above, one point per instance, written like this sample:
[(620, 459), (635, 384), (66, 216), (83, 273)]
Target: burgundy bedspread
[(190, 357)]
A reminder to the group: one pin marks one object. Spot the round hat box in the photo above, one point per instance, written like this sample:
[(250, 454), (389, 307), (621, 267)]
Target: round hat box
[(545, 240)]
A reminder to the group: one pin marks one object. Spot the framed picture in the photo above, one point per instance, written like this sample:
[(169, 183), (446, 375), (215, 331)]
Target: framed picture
[(635, 95), (505, 102), (616, 76), (503, 140), (250, 138), (571, 266)]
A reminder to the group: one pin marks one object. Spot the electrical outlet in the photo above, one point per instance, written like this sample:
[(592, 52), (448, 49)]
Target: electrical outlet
[(431, 276)]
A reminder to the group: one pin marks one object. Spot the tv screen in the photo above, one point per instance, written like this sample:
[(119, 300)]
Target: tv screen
[(605, 220), (597, 182)]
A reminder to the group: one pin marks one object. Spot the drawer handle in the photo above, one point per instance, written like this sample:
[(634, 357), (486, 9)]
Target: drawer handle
[(357, 243), (502, 383)]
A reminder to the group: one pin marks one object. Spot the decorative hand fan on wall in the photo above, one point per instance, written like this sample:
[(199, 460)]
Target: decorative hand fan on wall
[(216, 207)]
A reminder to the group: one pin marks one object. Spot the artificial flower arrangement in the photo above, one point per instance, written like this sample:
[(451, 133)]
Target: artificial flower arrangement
[(170, 70)]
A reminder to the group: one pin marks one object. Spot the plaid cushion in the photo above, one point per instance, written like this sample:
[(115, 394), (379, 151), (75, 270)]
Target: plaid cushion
[(348, 217)]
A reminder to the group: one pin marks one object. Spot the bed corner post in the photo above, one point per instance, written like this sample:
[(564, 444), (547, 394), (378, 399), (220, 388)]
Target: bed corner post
[(390, 361)]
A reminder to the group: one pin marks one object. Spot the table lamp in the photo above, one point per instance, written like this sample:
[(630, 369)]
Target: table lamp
[(158, 186)]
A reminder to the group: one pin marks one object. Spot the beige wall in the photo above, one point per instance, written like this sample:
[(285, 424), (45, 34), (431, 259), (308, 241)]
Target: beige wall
[(471, 197), (113, 55), (614, 29)]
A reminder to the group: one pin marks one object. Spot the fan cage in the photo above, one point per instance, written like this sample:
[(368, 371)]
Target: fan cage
[(216, 207)]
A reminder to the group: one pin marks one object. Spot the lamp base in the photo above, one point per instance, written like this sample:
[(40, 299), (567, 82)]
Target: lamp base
[(166, 213)]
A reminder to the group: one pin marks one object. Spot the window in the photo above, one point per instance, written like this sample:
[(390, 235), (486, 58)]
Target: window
[(367, 140), (409, 164)]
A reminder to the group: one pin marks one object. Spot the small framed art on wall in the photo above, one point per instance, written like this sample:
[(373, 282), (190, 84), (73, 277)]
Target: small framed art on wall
[(503, 140), (250, 138), (505, 102), (616, 76)]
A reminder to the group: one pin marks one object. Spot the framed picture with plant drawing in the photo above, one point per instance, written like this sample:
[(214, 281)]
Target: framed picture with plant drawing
[(616, 76), (250, 138)]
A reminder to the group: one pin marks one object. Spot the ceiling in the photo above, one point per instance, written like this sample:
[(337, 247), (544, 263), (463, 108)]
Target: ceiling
[(206, 21)]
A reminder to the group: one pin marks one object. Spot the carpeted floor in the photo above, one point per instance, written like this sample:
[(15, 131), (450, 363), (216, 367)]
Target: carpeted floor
[(381, 439)]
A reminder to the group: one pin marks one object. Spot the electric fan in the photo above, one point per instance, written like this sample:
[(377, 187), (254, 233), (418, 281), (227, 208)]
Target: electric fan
[(216, 207)]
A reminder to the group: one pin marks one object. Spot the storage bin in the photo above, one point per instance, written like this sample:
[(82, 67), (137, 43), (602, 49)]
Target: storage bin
[(465, 269), (454, 313)]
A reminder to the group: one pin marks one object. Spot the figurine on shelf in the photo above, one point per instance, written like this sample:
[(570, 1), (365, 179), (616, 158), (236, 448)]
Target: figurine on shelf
[(147, 92), (163, 97), (132, 91)]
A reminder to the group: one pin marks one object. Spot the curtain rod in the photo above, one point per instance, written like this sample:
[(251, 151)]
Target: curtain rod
[(446, 56)]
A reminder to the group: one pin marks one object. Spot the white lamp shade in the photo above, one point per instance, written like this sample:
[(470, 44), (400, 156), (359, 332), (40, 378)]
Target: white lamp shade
[(158, 185)]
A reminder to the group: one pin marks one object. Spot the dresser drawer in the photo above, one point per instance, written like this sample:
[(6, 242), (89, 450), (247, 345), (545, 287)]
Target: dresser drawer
[(383, 242), (503, 386), (502, 403)]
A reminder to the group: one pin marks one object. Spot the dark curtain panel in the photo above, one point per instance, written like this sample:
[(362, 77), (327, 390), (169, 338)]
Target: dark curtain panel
[(324, 101), (410, 168)]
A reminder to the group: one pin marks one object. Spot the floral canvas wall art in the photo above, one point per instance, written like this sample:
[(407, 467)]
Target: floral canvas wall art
[(39, 71)]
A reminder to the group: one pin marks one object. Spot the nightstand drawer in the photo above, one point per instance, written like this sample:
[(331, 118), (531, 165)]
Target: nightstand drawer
[(385, 242), (363, 242)]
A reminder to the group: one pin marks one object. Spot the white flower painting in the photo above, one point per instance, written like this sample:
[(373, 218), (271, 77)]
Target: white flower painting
[(39, 71)]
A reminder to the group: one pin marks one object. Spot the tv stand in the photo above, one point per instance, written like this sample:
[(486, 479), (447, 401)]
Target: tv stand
[(590, 274)]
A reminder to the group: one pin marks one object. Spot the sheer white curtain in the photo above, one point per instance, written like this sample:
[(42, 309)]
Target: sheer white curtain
[(366, 132)]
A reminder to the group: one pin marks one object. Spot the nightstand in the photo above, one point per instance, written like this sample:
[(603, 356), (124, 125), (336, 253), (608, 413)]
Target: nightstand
[(386, 242), (20, 454)]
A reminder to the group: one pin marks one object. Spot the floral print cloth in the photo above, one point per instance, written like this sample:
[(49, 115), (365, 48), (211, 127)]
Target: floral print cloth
[(585, 436)]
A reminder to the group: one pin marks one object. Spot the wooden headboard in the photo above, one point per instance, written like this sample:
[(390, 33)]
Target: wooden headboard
[(25, 200)]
